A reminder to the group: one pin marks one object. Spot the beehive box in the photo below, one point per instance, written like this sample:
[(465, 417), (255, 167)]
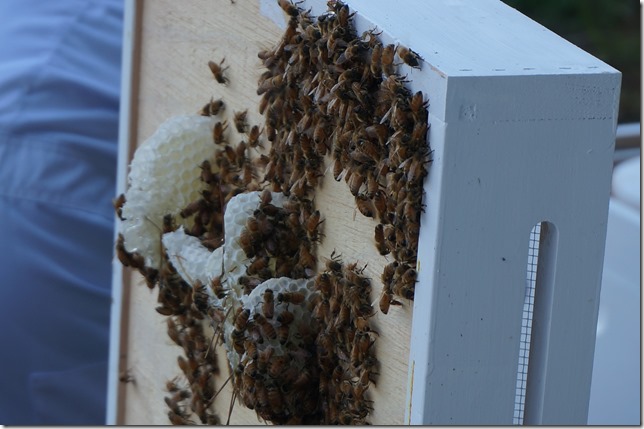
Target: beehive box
[(493, 99)]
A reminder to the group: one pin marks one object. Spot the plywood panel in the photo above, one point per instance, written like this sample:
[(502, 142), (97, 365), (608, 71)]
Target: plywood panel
[(177, 40)]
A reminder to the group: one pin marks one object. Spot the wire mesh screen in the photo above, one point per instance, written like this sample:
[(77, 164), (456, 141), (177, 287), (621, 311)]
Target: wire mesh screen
[(526, 325)]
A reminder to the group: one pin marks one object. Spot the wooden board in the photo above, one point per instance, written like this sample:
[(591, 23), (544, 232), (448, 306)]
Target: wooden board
[(175, 40)]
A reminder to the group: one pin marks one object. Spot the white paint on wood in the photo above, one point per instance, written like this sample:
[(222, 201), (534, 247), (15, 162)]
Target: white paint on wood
[(114, 359), (477, 38), (271, 10), (522, 128)]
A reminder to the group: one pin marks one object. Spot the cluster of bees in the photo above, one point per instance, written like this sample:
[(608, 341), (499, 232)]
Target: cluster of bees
[(199, 367), (322, 368), (326, 92), (345, 343), (278, 381), (277, 373), (185, 306), (280, 241)]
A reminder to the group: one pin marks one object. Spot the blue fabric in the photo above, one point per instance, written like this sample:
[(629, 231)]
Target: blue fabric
[(59, 99)]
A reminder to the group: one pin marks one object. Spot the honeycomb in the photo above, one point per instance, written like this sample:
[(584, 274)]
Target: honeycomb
[(164, 178), (192, 260)]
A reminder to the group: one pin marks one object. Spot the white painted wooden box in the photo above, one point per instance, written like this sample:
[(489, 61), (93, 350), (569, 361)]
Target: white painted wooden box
[(522, 133), (522, 129)]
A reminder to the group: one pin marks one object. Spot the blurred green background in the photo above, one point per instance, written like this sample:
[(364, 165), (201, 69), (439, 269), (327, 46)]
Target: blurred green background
[(607, 29)]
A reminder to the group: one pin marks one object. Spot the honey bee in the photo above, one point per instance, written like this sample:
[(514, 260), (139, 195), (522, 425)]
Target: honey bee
[(416, 169), (212, 108), (263, 358), (285, 317), (306, 258), (386, 300), (343, 318), (178, 396), (289, 8), (274, 399), (218, 132), (334, 264), (173, 331), (200, 297), (271, 84), (361, 345), (290, 297), (379, 237), (249, 283), (334, 305), (261, 396), (362, 324), (179, 419), (211, 418), (232, 162), (241, 318), (380, 204), (419, 133), (118, 203), (253, 136), (126, 376), (218, 288), (266, 197), (409, 57), (268, 306), (251, 349), (248, 177), (238, 338), (266, 326), (246, 242), (378, 132), (404, 290), (324, 344), (312, 224), (322, 310), (409, 277), (240, 154), (337, 169), (240, 120), (417, 103), (218, 71), (192, 208), (168, 223), (258, 265), (388, 273), (277, 366), (365, 205), (165, 311), (323, 283), (387, 59), (189, 367), (376, 59), (263, 103), (303, 379), (134, 260), (171, 385), (251, 369), (283, 333), (355, 181)]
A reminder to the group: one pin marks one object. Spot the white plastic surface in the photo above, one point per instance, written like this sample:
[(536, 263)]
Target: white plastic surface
[(626, 182)]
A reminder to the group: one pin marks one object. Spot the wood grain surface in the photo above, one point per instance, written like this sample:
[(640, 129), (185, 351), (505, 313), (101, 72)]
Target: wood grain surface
[(177, 39)]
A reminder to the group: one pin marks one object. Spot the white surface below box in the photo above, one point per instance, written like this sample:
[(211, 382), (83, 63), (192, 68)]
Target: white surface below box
[(615, 391)]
